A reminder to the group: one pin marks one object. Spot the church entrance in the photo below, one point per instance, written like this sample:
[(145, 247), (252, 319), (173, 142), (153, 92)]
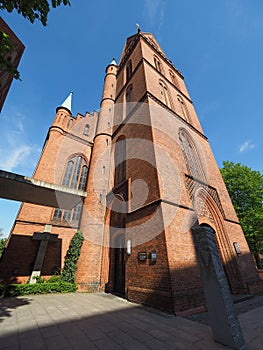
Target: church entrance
[(116, 280), (119, 266), (218, 252)]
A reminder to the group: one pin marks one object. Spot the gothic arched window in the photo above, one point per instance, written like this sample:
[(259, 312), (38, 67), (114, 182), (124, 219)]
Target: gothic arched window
[(165, 94), (183, 109), (120, 160), (75, 177), (192, 159)]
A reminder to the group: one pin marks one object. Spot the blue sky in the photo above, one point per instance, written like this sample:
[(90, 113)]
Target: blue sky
[(216, 45)]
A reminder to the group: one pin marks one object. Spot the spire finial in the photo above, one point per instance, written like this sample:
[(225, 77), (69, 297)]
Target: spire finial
[(113, 61), (138, 27)]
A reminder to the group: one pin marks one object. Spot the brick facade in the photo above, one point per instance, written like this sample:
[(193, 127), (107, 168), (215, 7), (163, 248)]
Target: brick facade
[(14, 57), (151, 178)]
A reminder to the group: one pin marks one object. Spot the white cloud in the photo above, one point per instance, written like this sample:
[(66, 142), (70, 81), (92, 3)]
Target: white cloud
[(14, 157), (246, 147), (16, 153), (154, 14)]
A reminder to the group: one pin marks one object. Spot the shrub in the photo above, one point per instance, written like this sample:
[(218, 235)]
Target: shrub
[(72, 256), (12, 290), (39, 279), (54, 279)]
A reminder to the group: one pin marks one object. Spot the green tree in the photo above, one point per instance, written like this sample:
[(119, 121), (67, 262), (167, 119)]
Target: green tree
[(245, 187), (31, 10), (71, 259), (2, 242)]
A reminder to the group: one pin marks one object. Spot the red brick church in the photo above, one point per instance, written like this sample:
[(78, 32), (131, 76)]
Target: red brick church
[(149, 176)]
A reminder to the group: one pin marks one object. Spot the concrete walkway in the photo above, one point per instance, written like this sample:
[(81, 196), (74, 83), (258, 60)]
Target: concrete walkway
[(102, 321)]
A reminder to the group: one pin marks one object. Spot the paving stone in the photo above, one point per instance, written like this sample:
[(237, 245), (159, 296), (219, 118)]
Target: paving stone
[(107, 343), (58, 343), (104, 322)]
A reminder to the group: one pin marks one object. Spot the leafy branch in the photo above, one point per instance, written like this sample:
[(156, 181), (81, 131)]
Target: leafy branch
[(31, 10)]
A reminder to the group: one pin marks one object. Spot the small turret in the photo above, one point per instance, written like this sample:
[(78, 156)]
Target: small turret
[(63, 113), (108, 99), (94, 209)]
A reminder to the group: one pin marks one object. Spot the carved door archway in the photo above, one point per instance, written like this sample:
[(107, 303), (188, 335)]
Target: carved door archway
[(209, 214)]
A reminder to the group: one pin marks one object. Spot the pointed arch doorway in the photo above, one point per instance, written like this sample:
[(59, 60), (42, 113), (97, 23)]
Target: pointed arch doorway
[(209, 215), (117, 263)]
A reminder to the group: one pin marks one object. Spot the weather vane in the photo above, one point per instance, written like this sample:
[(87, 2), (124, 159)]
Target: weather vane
[(138, 27)]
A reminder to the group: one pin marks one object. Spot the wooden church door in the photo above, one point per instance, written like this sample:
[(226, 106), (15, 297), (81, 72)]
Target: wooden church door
[(119, 270)]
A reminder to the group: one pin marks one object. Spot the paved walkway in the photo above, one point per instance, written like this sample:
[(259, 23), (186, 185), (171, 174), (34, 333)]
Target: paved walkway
[(102, 321)]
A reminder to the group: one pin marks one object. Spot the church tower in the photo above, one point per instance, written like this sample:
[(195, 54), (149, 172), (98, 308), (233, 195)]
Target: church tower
[(164, 181), (148, 178)]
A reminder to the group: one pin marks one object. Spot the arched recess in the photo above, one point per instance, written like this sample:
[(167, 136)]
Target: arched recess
[(165, 94), (183, 109), (158, 65), (191, 155), (129, 99), (128, 70), (120, 160), (208, 213), (114, 250)]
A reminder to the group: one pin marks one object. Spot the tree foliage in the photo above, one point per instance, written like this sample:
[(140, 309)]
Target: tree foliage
[(31, 10), (71, 259), (245, 187), (2, 245)]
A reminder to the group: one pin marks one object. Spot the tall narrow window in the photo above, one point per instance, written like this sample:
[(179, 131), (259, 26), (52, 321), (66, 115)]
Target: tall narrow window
[(67, 176), (129, 99), (75, 177), (183, 109), (128, 70), (158, 64), (120, 160), (191, 156), (86, 130), (83, 178), (165, 93), (77, 212), (57, 214), (67, 215), (76, 173)]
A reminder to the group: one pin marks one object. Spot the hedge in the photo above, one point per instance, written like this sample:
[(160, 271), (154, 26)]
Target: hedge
[(12, 290)]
